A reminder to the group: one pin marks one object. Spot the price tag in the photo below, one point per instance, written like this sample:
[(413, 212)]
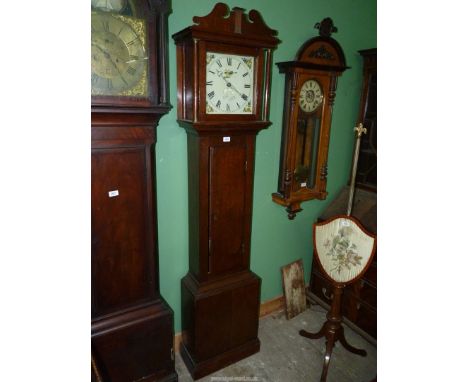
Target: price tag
[(304, 184), (226, 139), (113, 193)]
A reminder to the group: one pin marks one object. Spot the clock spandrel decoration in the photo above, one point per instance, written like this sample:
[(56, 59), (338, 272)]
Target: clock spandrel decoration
[(132, 329), (310, 89), (223, 88)]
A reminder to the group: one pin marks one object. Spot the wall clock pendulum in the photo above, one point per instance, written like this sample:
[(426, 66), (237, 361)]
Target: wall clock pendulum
[(131, 325), (223, 89), (310, 90)]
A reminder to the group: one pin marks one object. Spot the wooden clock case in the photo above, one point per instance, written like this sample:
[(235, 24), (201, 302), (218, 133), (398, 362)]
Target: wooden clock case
[(220, 294), (131, 324), (320, 59)]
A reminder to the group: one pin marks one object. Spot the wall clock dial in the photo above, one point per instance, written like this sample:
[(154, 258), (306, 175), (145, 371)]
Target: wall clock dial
[(310, 96), (229, 83), (118, 55)]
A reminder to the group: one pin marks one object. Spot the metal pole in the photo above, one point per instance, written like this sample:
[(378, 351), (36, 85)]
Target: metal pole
[(360, 129)]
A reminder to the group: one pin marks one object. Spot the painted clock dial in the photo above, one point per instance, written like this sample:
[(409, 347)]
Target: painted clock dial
[(310, 96), (229, 83)]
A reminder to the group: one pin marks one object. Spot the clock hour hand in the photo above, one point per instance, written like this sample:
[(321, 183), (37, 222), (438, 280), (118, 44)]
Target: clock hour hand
[(229, 85), (108, 56)]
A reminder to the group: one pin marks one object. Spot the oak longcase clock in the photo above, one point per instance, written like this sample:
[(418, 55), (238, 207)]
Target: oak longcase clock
[(223, 87), (131, 324), (311, 81)]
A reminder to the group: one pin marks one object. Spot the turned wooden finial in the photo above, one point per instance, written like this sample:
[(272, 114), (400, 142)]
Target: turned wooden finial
[(326, 27)]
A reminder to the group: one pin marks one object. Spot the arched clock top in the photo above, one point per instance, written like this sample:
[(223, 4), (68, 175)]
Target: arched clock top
[(323, 51)]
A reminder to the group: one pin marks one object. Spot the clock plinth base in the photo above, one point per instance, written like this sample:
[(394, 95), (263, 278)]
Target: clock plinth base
[(135, 344), (220, 321), (204, 368)]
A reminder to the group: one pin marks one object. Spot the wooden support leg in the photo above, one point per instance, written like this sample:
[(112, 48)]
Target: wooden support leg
[(314, 336), (328, 351), (348, 347), (333, 331)]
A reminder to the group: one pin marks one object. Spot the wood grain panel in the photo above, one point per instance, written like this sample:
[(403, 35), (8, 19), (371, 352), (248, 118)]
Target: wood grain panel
[(120, 268)]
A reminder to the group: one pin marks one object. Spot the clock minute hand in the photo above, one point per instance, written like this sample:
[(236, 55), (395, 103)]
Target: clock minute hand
[(109, 57), (229, 85), (107, 54), (233, 88)]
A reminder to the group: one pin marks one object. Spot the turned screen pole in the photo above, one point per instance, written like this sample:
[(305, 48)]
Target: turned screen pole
[(359, 129)]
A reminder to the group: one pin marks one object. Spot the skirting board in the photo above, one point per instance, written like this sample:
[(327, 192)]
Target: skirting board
[(266, 308)]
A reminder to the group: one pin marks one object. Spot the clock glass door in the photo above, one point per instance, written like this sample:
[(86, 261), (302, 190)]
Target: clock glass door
[(307, 135)]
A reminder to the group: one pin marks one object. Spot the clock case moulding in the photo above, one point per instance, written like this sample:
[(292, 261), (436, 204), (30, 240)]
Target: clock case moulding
[(220, 294), (320, 59)]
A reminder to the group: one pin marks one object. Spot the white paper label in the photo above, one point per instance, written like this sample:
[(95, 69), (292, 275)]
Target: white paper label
[(226, 139), (304, 184), (113, 193)]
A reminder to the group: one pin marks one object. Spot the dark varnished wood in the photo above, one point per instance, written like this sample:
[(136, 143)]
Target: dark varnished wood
[(220, 295), (321, 58), (366, 176), (332, 329), (131, 324)]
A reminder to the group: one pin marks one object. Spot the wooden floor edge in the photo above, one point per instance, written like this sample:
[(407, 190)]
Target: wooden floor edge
[(268, 307), (271, 306)]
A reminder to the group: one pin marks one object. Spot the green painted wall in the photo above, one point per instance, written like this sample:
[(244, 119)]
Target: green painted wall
[(276, 240)]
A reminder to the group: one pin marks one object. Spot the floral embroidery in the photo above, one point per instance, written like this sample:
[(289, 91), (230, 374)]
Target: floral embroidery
[(342, 251)]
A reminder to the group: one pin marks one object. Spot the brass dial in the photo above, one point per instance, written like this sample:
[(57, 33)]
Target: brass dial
[(109, 5), (118, 55), (310, 96)]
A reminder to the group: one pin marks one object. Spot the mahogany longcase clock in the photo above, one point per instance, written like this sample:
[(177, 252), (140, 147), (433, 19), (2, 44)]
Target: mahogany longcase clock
[(131, 324), (310, 88), (223, 68)]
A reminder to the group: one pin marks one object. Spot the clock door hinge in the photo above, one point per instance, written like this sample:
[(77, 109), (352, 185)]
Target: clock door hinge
[(245, 166)]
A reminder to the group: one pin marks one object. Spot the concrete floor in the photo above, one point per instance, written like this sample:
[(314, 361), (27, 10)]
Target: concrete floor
[(285, 356)]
